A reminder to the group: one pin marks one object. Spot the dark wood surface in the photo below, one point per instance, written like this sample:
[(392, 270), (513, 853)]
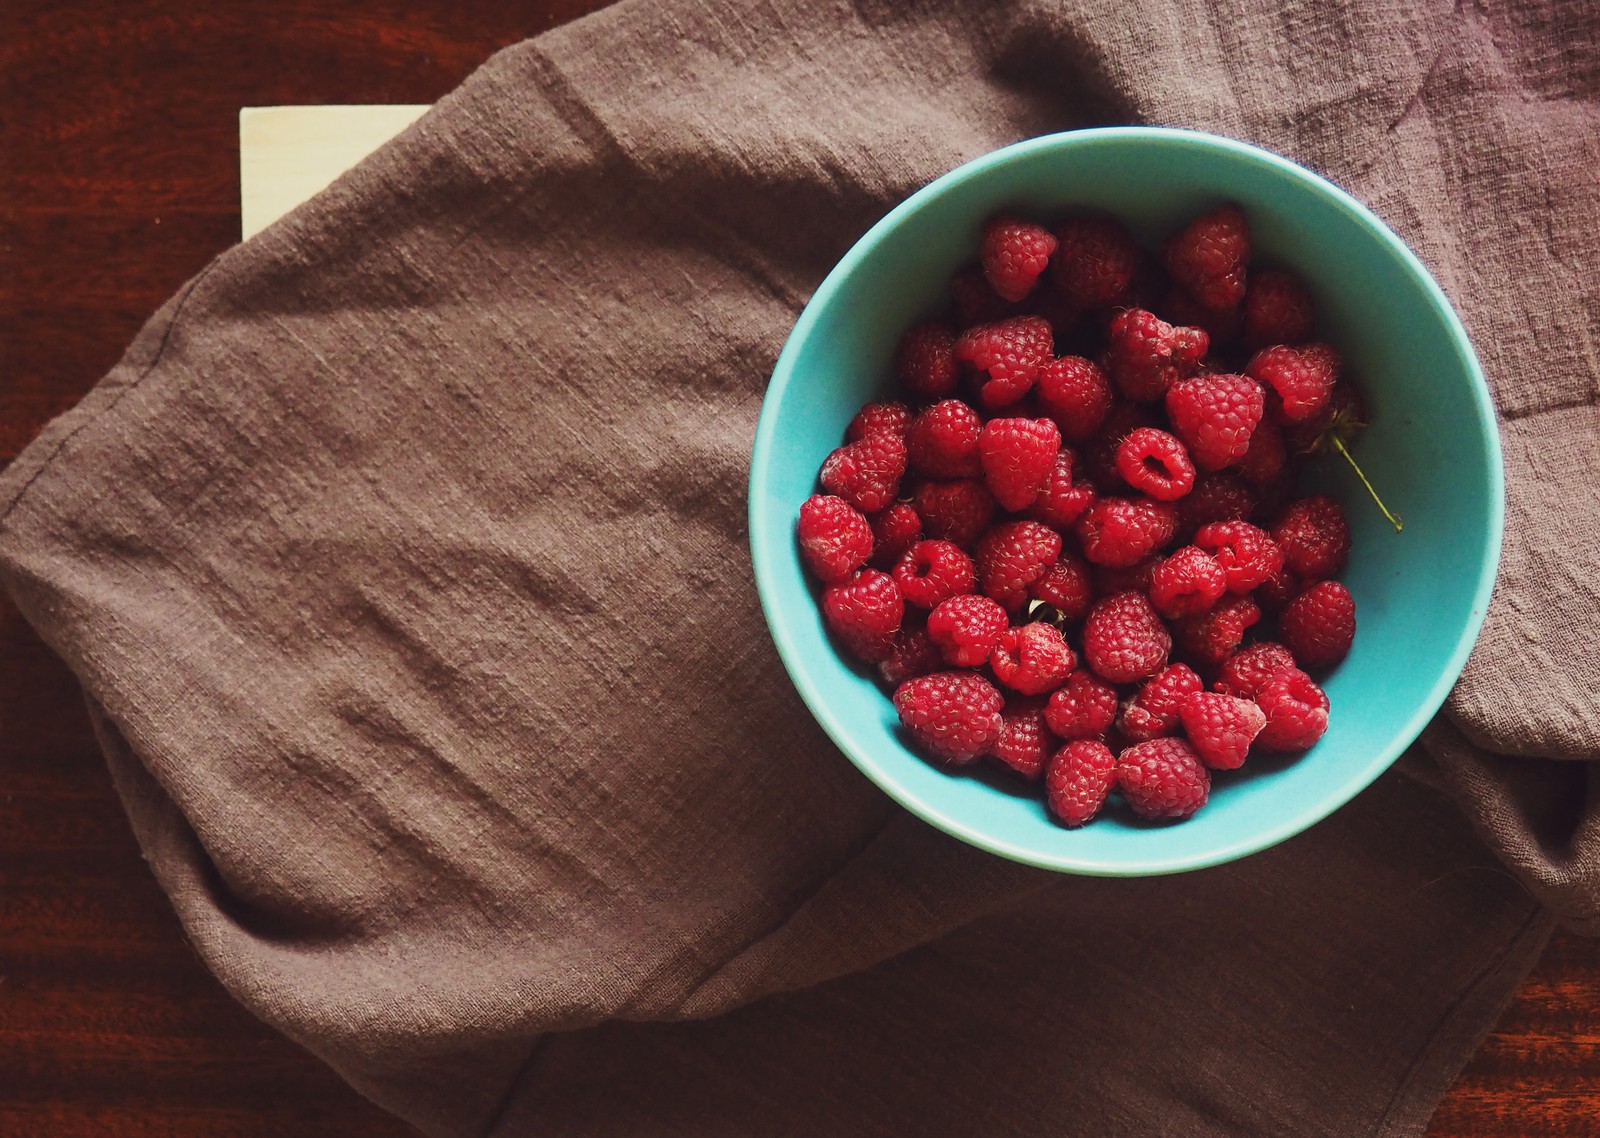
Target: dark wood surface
[(118, 180)]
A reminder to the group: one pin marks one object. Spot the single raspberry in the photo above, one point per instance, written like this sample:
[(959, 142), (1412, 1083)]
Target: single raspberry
[(1025, 742), (954, 716), (835, 538), (1082, 708), (1156, 463), (1247, 555), (926, 363), (1163, 778), (1017, 457), (975, 299), (1319, 625), (1078, 779), (912, 654), (1221, 728), (1066, 587), (1277, 309), (1124, 531), (1302, 378), (866, 473), (1214, 415), (864, 613), (1007, 355), (1210, 637), (894, 531), (958, 511), (1243, 673), (1076, 394), (1216, 497), (1296, 710), (1062, 501), (1095, 262), (1032, 659), (1012, 556), (1314, 537), (1278, 590), (879, 418), (1188, 582), (1154, 711), (1145, 355), (934, 571), (1207, 257), (1221, 325), (942, 441), (965, 628), (1124, 640), (1014, 254), (1133, 578), (1099, 455), (1266, 457)]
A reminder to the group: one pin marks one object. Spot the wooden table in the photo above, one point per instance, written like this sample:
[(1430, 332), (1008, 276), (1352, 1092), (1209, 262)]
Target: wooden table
[(118, 180)]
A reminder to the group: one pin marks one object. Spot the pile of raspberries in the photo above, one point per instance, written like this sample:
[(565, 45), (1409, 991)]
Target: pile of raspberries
[(1073, 564)]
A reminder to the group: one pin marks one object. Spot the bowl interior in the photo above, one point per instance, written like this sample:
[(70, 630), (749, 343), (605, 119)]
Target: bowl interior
[(1432, 449)]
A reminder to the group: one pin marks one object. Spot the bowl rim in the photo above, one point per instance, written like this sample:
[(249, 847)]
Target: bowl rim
[(1285, 826)]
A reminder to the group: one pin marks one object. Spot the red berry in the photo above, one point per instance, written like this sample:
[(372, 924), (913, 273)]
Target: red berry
[(866, 473), (1216, 497), (1296, 710), (835, 538), (1343, 415), (894, 531), (912, 654), (1188, 582), (926, 363), (965, 629), (1221, 325), (1076, 394), (1162, 778), (1099, 455), (1245, 672), (1017, 457), (1156, 463), (1278, 590), (1025, 742), (975, 299), (957, 511), (1319, 625), (1062, 501), (1211, 637), (1066, 587), (1314, 537), (1082, 708), (1095, 262), (1277, 309), (864, 613), (1012, 556), (1207, 258), (1124, 531), (1124, 640), (934, 571), (1014, 254), (1079, 778), (1133, 578), (879, 418), (1247, 555), (1221, 728), (1007, 355), (1302, 378), (1266, 457), (1032, 659), (1214, 415), (1146, 355), (954, 716), (1154, 711), (942, 441)]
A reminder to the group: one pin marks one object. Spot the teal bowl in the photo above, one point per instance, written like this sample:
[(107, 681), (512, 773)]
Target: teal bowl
[(1433, 447)]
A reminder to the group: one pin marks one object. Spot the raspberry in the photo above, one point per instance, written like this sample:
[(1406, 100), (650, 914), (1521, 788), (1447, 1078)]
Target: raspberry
[(1024, 743), (1162, 778), (866, 473), (954, 716), (957, 511), (1296, 710), (1032, 659), (1188, 582), (1154, 711), (1156, 463), (1211, 637), (1082, 708), (965, 629), (976, 302), (1207, 258), (912, 654), (1076, 394), (878, 418), (1221, 728), (1124, 640), (1012, 556), (1095, 261), (1277, 309), (1314, 537), (1302, 378), (1066, 587), (1278, 590), (1133, 578), (1079, 778), (1222, 326), (1062, 501), (1319, 625), (1247, 556), (1214, 416), (1008, 355), (1100, 454), (1014, 254), (1124, 531), (894, 531), (864, 614), (1216, 497), (1264, 460), (934, 571), (1245, 672), (1017, 456), (942, 441), (1146, 355), (1343, 416), (926, 363), (835, 538)]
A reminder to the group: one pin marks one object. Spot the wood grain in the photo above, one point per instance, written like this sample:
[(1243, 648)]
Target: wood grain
[(118, 181)]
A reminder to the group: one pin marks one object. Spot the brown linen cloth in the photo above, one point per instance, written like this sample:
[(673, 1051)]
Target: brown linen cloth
[(403, 562)]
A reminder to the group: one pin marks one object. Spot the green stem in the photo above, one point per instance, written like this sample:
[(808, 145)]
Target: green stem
[(1338, 445)]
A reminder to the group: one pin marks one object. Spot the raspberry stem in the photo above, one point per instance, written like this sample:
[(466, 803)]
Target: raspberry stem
[(1338, 445)]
